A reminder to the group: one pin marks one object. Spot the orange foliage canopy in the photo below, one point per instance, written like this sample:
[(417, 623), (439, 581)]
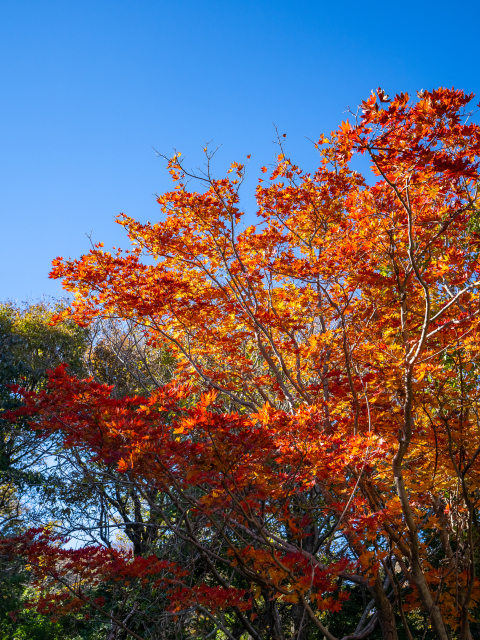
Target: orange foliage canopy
[(333, 349)]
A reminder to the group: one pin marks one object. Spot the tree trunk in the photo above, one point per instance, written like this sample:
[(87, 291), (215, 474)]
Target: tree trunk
[(386, 615)]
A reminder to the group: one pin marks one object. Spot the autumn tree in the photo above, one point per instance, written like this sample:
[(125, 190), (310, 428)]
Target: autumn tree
[(320, 443)]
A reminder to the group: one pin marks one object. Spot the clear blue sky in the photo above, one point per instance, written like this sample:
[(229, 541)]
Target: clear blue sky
[(88, 87)]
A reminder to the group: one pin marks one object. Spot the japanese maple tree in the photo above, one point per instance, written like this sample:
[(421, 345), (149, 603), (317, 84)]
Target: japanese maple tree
[(322, 435)]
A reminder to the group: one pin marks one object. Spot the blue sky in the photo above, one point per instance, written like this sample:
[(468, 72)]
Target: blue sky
[(89, 87)]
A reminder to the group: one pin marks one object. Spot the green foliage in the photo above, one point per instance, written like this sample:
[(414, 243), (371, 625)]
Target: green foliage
[(31, 346)]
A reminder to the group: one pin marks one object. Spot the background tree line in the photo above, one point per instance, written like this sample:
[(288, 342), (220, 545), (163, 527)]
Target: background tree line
[(42, 484)]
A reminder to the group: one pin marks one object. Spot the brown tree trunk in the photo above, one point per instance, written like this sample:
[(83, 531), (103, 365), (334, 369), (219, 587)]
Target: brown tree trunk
[(300, 620), (386, 615)]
